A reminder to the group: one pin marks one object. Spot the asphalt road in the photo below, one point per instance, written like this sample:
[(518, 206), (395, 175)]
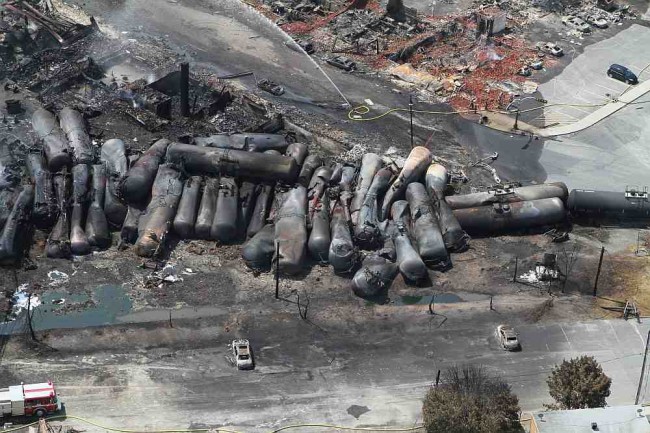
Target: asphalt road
[(304, 375)]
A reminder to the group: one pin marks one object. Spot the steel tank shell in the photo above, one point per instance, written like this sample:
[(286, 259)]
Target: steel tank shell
[(79, 244), (291, 230), (45, 209), (414, 167), (312, 162), (608, 204), (317, 189), (13, 237), (96, 223), (225, 224), (58, 242), (374, 277), (72, 123), (436, 180), (342, 255), (500, 218), (248, 193), (509, 195), (232, 163), (129, 231), (261, 210), (258, 251), (113, 156), (207, 209), (367, 232), (297, 151), (409, 261), (456, 239), (370, 165), (165, 196), (188, 207), (55, 144), (425, 229), (136, 185), (319, 236), (252, 142)]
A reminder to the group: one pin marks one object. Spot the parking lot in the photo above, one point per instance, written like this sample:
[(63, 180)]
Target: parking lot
[(584, 81)]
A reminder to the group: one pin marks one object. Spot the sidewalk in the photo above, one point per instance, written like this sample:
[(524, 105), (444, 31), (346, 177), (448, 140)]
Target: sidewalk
[(505, 122)]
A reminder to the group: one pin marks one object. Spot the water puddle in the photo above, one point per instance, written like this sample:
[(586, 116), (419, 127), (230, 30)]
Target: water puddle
[(440, 298)]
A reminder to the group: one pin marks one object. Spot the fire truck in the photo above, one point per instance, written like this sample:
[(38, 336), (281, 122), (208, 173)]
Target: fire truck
[(36, 399)]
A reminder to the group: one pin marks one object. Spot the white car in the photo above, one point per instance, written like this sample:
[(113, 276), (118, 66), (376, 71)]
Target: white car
[(241, 350), (597, 21), (507, 337), (576, 23), (550, 48)]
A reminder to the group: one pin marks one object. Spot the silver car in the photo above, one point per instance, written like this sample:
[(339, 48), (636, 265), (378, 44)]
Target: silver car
[(508, 338), (241, 350)]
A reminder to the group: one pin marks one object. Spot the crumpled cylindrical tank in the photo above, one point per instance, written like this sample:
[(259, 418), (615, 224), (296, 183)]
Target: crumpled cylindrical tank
[(55, 143), (319, 237), (425, 229), (297, 151), (72, 123), (261, 210), (499, 218), (370, 165), (312, 162), (291, 230), (188, 207), (367, 232), (316, 189), (410, 264), (235, 163), (343, 256), (337, 172), (165, 196), (8, 197), (129, 232), (13, 239), (436, 180), (225, 224), (79, 244), (113, 156), (258, 251), (207, 209), (348, 174), (58, 243), (456, 239), (374, 277), (252, 142), (135, 187), (248, 193), (509, 195), (96, 223), (414, 167), (45, 209)]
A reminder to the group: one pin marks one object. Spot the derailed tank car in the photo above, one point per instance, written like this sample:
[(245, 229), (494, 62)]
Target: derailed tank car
[(630, 205), (506, 217)]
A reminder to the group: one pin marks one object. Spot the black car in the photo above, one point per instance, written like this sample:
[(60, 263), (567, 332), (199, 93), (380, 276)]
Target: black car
[(622, 73), (342, 62)]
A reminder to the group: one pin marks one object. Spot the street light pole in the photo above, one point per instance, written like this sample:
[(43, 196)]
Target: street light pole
[(277, 270)]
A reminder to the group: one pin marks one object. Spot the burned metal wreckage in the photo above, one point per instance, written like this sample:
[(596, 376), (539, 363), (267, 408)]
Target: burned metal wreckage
[(262, 186)]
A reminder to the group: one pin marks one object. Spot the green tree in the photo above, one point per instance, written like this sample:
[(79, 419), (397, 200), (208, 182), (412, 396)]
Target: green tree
[(578, 383), (469, 400)]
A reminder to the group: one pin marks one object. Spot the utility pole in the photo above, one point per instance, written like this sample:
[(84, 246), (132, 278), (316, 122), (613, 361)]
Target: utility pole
[(29, 317), (516, 120), (411, 112), (645, 357), (432, 304), (438, 378), (277, 270), (600, 264), (514, 277)]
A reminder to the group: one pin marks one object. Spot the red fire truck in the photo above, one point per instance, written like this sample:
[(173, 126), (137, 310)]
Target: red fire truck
[(36, 399)]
